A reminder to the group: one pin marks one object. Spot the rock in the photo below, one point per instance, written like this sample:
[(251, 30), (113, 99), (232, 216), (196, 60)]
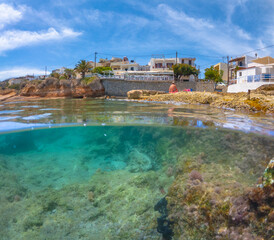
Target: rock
[(6, 94), (134, 94), (137, 94), (265, 89), (90, 196), (139, 162), (52, 87), (268, 176)]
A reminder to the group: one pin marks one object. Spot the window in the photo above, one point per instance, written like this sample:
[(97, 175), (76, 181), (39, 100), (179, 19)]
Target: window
[(132, 68), (182, 60), (240, 74), (240, 63), (189, 62)]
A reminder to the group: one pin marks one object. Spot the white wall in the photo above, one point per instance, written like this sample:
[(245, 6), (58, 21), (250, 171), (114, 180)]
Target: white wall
[(244, 87)]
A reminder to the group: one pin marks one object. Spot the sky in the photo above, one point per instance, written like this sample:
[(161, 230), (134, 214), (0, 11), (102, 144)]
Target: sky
[(35, 35)]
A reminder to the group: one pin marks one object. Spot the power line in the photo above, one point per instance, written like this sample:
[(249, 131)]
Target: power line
[(134, 56), (200, 55), (259, 49)]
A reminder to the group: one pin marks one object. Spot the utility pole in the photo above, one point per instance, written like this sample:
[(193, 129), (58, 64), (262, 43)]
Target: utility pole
[(176, 57), (227, 70), (95, 54)]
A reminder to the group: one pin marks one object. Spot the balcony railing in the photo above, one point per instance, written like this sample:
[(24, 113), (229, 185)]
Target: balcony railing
[(138, 77), (253, 79)]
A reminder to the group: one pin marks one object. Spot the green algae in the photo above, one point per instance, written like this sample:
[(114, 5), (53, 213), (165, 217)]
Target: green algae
[(103, 182)]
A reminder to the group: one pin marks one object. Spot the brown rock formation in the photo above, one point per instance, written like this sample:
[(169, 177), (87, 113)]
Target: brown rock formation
[(137, 94), (7, 93), (265, 89), (52, 87)]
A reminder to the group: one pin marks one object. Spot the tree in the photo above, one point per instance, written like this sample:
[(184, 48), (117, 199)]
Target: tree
[(214, 75), (184, 70), (82, 67), (69, 73), (55, 75), (102, 70)]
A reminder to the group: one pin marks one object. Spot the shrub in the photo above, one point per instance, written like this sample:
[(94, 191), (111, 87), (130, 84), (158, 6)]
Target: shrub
[(88, 80), (15, 86)]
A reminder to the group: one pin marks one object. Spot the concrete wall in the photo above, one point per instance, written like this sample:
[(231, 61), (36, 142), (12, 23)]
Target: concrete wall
[(119, 87)]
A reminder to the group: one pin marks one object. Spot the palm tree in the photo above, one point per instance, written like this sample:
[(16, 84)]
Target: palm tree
[(82, 67)]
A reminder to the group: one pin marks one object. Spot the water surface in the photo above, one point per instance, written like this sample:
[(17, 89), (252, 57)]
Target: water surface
[(93, 169)]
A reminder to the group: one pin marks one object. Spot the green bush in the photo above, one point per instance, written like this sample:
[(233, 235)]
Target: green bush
[(88, 80), (15, 86)]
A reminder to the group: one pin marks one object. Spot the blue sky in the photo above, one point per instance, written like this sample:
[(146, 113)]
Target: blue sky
[(56, 33)]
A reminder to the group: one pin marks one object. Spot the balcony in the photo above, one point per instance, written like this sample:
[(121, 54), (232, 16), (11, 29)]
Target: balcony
[(253, 79)]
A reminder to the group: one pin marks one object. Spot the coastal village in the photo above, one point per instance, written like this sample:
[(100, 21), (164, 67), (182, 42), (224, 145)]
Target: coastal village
[(124, 77), (239, 75)]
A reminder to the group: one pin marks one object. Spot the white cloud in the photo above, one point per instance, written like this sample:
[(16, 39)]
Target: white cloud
[(9, 15), (231, 5), (18, 72), (183, 18), (221, 37), (16, 38)]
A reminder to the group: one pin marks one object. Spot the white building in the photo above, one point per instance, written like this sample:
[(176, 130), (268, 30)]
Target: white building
[(164, 64), (256, 73), (59, 71)]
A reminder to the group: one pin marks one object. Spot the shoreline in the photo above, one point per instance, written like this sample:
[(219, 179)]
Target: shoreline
[(257, 103), (232, 101)]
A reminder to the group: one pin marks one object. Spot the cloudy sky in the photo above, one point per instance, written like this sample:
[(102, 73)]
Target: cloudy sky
[(56, 33)]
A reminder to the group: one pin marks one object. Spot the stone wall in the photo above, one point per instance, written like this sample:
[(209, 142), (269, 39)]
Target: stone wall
[(205, 87), (120, 87)]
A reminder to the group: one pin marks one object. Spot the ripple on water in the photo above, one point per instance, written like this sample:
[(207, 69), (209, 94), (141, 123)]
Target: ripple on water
[(10, 111), (37, 117)]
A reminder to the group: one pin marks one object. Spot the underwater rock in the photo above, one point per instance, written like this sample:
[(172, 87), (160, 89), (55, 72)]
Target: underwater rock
[(17, 198), (164, 225), (239, 210), (195, 175), (90, 196), (139, 162), (268, 176), (170, 171), (117, 165)]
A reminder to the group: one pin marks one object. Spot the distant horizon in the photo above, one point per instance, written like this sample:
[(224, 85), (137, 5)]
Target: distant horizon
[(58, 33)]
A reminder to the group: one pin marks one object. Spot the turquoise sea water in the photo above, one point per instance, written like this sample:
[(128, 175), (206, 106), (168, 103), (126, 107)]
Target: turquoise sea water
[(88, 169)]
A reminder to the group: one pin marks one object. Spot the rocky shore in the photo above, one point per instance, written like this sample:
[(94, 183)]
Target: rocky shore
[(260, 100), (53, 87)]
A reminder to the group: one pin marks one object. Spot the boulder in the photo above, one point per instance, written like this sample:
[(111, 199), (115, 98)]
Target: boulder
[(138, 94), (134, 94), (139, 162)]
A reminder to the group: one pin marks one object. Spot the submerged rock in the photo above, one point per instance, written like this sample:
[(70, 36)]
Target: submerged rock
[(139, 162), (164, 225), (220, 206), (268, 176)]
